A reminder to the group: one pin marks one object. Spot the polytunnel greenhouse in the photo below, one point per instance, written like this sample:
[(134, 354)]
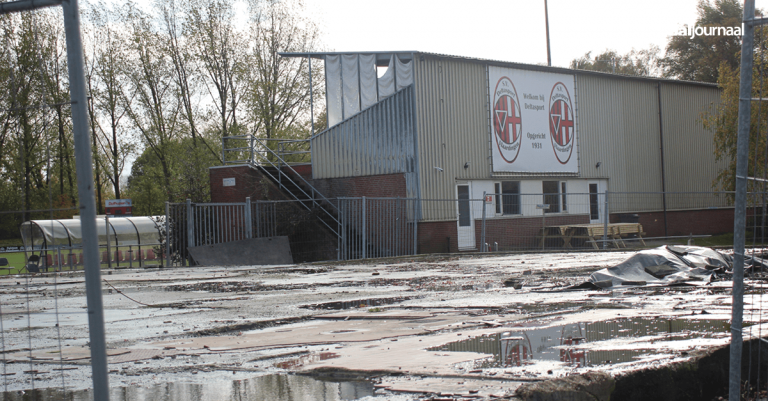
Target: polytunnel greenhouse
[(123, 241)]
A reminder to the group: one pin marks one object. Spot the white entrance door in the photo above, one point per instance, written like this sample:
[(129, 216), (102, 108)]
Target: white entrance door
[(466, 224), (597, 201)]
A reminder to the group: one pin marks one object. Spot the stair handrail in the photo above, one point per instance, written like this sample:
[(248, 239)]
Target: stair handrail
[(281, 174)]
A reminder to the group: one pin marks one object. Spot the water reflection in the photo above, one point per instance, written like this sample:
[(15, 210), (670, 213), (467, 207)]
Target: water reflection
[(561, 343), (269, 387)]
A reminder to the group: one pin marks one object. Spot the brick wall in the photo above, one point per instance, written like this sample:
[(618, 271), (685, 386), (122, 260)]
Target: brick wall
[(709, 221), (438, 237), (522, 232), (377, 186), (248, 183), (309, 240)]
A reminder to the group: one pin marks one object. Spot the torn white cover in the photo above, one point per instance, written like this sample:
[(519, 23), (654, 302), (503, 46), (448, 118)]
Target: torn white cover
[(333, 89)]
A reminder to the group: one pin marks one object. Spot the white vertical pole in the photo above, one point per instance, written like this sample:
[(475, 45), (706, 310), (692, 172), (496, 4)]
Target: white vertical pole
[(248, 222)]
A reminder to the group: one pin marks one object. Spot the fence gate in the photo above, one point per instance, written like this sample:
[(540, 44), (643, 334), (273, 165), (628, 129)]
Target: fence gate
[(377, 227)]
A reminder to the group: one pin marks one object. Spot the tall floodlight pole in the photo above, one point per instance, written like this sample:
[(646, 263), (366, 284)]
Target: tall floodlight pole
[(83, 160), (739, 220), (546, 22)]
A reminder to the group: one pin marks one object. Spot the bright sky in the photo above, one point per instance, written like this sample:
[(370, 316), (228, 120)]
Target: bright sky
[(507, 30)]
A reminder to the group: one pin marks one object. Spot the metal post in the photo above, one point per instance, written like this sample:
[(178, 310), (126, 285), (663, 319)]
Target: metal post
[(739, 219), (190, 230), (544, 225), (546, 22), (84, 170), (415, 227), (248, 222), (663, 174), (250, 141), (109, 249), (342, 252), (364, 236), (167, 237), (311, 99), (258, 219), (482, 232), (605, 221)]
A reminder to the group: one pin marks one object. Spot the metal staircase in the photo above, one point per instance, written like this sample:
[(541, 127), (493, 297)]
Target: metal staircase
[(262, 158)]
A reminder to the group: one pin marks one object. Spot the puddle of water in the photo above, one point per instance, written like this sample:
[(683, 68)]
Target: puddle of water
[(358, 303), (303, 360), (562, 343), (269, 387), (78, 316)]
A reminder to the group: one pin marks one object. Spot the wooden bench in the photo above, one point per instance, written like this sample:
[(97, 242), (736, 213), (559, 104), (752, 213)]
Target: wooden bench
[(592, 233)]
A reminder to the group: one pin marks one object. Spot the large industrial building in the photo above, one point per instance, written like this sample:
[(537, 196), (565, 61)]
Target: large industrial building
[(539, 141)]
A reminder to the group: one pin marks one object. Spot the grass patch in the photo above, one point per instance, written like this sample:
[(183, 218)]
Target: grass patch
[(15, 260)]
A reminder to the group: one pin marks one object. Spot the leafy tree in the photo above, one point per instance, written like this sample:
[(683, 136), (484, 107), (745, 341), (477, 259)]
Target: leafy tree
[(189, 172), (723, 120), (637, 62), (699, 58)]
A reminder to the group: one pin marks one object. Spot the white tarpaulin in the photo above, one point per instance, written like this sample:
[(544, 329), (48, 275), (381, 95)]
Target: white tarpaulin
[(333, 89), (664, 265), (404, 73), (351, 84), (387, 81), (534, 121), (368, 92)]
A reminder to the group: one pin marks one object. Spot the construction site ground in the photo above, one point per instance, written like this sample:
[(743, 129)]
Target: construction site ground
[(472, 326)]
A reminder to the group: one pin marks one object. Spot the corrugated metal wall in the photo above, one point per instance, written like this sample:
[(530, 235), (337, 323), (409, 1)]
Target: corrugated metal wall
[(378, 140), (451, 109), (689, 149), (619, 128)]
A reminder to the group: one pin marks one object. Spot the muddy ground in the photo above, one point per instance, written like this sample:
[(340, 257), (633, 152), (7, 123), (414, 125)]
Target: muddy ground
[(432, 327)]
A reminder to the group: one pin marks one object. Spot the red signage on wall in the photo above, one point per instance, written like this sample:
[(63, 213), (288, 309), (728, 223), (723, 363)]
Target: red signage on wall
[(119, 207)]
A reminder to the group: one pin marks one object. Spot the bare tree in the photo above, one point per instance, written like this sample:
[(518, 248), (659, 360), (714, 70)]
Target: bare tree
[(107, 79), (278, 88), (186, 67), (156, 109), (219, 48)]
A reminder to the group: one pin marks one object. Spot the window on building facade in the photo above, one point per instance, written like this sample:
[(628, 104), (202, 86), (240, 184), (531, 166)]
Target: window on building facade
[(507, 197), (551, 190)]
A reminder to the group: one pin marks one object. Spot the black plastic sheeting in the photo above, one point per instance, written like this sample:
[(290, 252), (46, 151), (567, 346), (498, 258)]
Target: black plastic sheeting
[(667, 265)]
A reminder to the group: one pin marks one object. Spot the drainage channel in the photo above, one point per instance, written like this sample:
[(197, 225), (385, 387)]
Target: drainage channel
[(623, 340)]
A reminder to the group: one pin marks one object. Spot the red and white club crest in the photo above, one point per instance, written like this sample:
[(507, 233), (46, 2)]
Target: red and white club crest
[(507, 121), (562, 129)]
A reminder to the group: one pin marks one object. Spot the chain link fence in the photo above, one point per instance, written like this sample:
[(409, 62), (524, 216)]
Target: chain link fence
[(384, 227)]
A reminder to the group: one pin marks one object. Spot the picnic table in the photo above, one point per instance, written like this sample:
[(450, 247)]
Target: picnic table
[(592, 233)]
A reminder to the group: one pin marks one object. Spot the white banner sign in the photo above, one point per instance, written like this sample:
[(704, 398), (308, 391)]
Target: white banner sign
[(117, 202), (534, 121)]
